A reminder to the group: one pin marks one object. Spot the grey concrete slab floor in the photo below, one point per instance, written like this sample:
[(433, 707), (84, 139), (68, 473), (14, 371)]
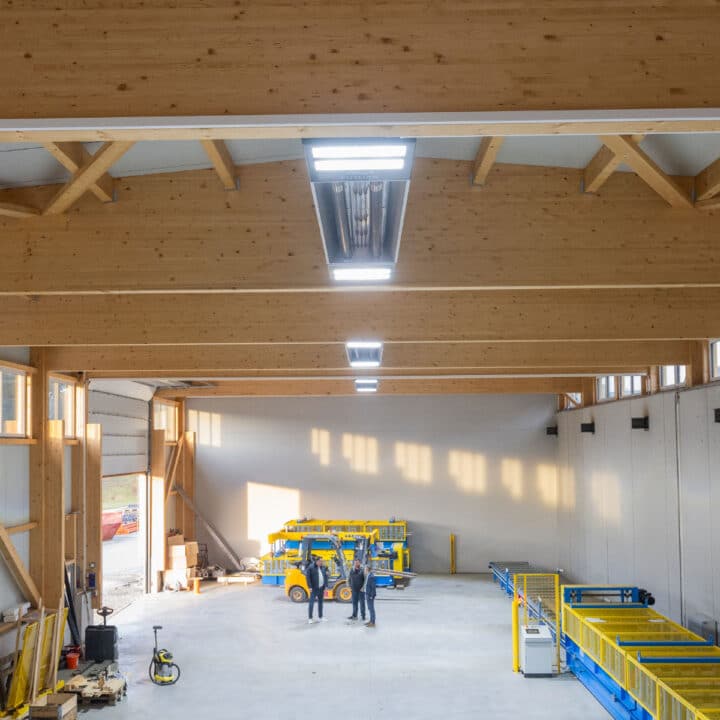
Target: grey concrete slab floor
[(441, 649)]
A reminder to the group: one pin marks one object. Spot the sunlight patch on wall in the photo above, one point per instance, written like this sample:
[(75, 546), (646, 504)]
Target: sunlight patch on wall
[(361, 452), (268, 508), (414, 462), (567, 488), (547, 484), (206, 426), (511, 477), (605, 492), (469, 470), (320, 445)]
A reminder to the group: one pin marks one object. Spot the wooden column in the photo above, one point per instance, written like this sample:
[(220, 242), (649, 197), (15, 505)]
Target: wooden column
[(652, 380), (589, 391), (93, 507), (79, 452), (179, 505), (189, 485), (54, 511), (158, 529), (699, 370), (38, 413)]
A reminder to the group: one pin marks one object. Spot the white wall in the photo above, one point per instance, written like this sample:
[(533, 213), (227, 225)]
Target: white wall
[(627, 516), (479, 466)]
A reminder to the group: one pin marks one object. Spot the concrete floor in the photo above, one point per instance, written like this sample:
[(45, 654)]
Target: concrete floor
[(441, 650)]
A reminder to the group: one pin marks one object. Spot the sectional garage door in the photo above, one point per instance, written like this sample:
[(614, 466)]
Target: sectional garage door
[(122, 408)]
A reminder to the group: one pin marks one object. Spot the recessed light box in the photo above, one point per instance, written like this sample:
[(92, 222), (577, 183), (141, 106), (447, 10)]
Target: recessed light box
[(360, 190), (366, 385), (364, 353)]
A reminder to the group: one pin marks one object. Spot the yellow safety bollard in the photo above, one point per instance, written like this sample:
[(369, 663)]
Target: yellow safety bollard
[(453, 564), (515, 635), (196, 586)]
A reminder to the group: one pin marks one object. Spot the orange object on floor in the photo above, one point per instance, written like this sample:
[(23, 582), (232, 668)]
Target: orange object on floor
[(71, 660), (196, 586)]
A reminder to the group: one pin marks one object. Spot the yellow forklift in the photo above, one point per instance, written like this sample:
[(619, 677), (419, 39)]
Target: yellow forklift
[(296, 587)]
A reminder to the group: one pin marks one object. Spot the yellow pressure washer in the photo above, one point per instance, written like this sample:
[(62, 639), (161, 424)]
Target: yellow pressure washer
[(162, 671)]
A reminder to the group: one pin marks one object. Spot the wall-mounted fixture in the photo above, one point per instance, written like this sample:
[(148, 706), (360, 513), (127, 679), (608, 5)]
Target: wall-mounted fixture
[(717, 415), (640, 423), (364, 353), (587, 427), (366, 385), (551, 430), (360, 189)]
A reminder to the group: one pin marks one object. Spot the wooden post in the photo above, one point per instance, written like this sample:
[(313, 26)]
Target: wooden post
[(652, 380), (158, 529), (79, 452), (38, 413), (189, 526), (699, 370), (93, 507), (589, 391), (37, 651), (54, 515)]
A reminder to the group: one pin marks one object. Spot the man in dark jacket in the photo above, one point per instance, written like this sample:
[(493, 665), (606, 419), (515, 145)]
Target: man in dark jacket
[(317, 580), (370, 588), (356, 581)]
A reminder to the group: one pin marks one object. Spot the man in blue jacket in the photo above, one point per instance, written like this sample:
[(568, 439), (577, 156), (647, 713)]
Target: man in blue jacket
[(370, 589), (356, 582), (317, 580)]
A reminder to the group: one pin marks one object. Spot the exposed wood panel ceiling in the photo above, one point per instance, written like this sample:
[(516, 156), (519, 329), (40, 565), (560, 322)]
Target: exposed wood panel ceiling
[(105, 59)]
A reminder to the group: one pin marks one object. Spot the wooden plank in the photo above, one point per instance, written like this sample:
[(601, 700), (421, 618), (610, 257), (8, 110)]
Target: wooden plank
[(322, 388), (629, 152), (72, 156), (621, 238), (86, 176), (599, 169), (24, 527), (157, 511), (188, 486), (93, 509), (485, 158), (17, 211), (192, 360), (613, 314), (707, 181), (71, 537), (17, 441), (54, 515), (17, 568), (222, 161), (407, 57), (712, 203), (78, 495)]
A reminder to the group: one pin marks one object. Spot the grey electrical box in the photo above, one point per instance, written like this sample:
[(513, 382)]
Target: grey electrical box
[(537, 651)]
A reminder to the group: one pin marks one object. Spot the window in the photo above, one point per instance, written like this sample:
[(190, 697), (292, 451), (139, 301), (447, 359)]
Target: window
[(606, 388), (632, 385), (672, 376), (14, 402), (575, 399), (165, 417), (61, 403), (715, 359)]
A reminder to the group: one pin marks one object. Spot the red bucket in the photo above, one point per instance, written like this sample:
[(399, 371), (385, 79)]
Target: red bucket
[(71, 660)]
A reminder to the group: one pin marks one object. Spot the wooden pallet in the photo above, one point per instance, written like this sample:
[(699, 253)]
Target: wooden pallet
[(108, 692)]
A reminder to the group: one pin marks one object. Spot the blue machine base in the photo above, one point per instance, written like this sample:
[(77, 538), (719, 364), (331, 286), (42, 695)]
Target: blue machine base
[(615, 699), (273, 579)]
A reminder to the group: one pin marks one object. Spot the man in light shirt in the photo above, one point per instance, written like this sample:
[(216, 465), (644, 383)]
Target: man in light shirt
[(317, 579)]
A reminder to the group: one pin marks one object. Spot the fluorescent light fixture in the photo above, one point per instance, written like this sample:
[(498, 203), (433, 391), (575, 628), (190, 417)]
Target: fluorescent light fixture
[(361, 274), (363, 345), (366, 385), (359, 164), (327, 152), (364, 353)]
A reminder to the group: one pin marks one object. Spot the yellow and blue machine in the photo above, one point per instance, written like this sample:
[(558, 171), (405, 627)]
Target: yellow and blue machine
[(639, 664), (389, 546)]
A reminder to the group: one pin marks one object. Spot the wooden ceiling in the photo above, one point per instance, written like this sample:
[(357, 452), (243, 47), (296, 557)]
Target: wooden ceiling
[(504, 270)]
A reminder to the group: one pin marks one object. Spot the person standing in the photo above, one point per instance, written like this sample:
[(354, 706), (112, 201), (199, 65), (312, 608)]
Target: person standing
[(370, 589), (356, 581), (317, 578)]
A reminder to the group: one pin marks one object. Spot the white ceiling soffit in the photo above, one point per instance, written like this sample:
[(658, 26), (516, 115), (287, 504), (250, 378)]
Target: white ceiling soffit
[(26, 164), (123, 388)]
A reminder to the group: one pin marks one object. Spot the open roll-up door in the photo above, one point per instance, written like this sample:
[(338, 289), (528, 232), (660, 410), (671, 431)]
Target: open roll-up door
[(122, 408)]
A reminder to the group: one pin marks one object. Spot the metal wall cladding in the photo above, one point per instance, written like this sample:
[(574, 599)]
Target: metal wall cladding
[(621, 517), (125, 424)]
